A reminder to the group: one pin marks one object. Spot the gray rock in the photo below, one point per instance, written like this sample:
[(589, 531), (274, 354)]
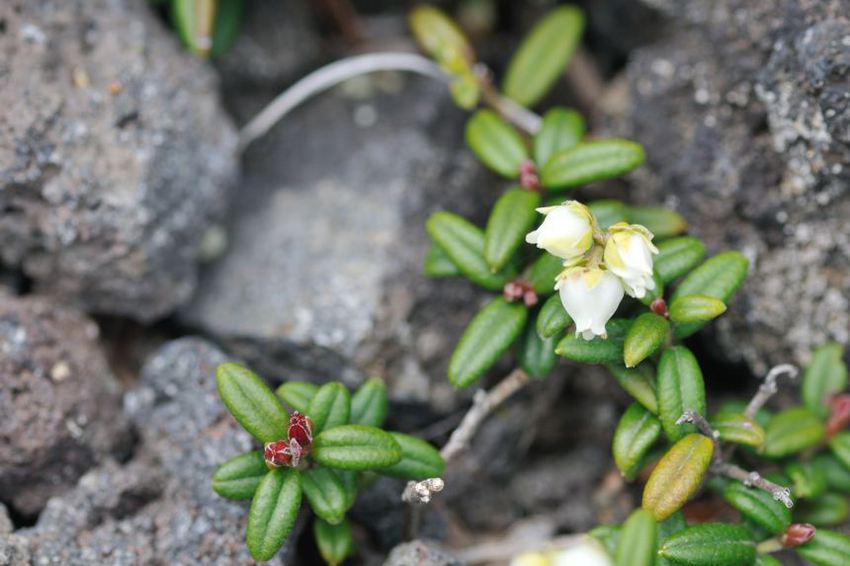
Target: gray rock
[(115, 159), (420, 553), (323, 278), (745, 114), (6, 525), (60, 403)]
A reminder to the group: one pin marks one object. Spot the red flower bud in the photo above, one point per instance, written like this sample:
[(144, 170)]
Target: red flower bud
[(280, 453), (839, 416), (528, 178), (514, 291), (529, 298), (797, 534), (659, 307), (301, 430)]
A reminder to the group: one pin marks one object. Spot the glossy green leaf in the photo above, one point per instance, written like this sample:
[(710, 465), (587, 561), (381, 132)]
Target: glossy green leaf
[(809, 481), (326, 494), (826, 511), (438, 265), (639, 382), (464, 86), (719, 277), (251, 402), (758, 506), (825, 375), (239, 477), (463, 243), (297, 394), (349, 482), (330, 407), (680, 388), (273, 511), (543, 272), (543, 55), (561, 129), (335, 542), (840, 447), (662, 222), (644, 338), (827, 548), (553, 318), (438, 35), (637, 540), (496, 143), (419, 460), (608, 212), (695, 308), (356, 447), (512, 218), (591, 161), (677, 476), (677, 256), (599, 350), (369, 403), (489, 335), (710, 544), (636, 432), (666, 528), (837, 474), (536, 355), (738, 428), (791, 431)]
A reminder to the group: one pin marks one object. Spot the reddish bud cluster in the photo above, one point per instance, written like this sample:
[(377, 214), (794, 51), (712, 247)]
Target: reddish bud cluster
[(289, 452), (514, 291), (797, 534), (528, 178), (659, 307), (839, 414)]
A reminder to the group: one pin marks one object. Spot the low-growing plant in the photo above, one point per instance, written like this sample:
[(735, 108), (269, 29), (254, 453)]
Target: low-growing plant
[(604, 283)]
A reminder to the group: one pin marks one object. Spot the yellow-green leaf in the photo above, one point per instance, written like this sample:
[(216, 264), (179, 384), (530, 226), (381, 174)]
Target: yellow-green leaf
[(438, 35), (695, 308), (496, 143), (677, 476), (738, 428), (645, 336)]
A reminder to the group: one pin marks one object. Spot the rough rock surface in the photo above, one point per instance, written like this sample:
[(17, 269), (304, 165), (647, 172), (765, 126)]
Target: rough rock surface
[(323, 271), (159, 508), (115, 156), (745, 109), (420, 553), (60, 403)]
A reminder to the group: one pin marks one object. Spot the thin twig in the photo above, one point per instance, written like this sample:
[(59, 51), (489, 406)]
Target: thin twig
[(519, 116), (769, 387)]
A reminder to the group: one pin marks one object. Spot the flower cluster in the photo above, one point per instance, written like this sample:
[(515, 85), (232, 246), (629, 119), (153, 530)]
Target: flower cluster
[(600, 267), (297, 445)]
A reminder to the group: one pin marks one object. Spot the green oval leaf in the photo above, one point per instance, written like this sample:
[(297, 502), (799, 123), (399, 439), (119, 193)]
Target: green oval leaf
[(326, 494), (350, 484), (335, 542), (297, 394), (636, 546), (677, 476), (719, 277), (536, 355), (273, 512), (791, 431), (251, 402), (710, 544), (636, 432), (543, 55), (677, 256), (608, 212), (419, 460), (825, 375), (840, 446), (438, 265), (759, 506), (837, 474), (737, 428), (827, 510), (591, 161), (356, 447), (827, 548), (552, 318), (219, 25), (438, 35), (695, 308), (495, 143), (809, 481), (662, 222), (463, 243), (369, 403), (639, 382), (543, 272), (598, 350), (670, 526), (512, 218), (330, 407), (645, 336), (680, 388), (239, 477), (561, 129), (486, 338)]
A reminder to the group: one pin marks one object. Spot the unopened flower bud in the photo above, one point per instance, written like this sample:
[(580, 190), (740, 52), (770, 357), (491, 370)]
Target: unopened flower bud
[(528, 178), (514, 291), (659, 307), (839, 414), (301, 430), (282, 453), (628, 254), (566, 231), (590, 296), (797, 534)]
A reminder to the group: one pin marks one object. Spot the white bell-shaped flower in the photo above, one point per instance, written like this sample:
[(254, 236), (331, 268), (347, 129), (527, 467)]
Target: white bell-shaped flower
[(628, 254), (566, 231), (591, 297)]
